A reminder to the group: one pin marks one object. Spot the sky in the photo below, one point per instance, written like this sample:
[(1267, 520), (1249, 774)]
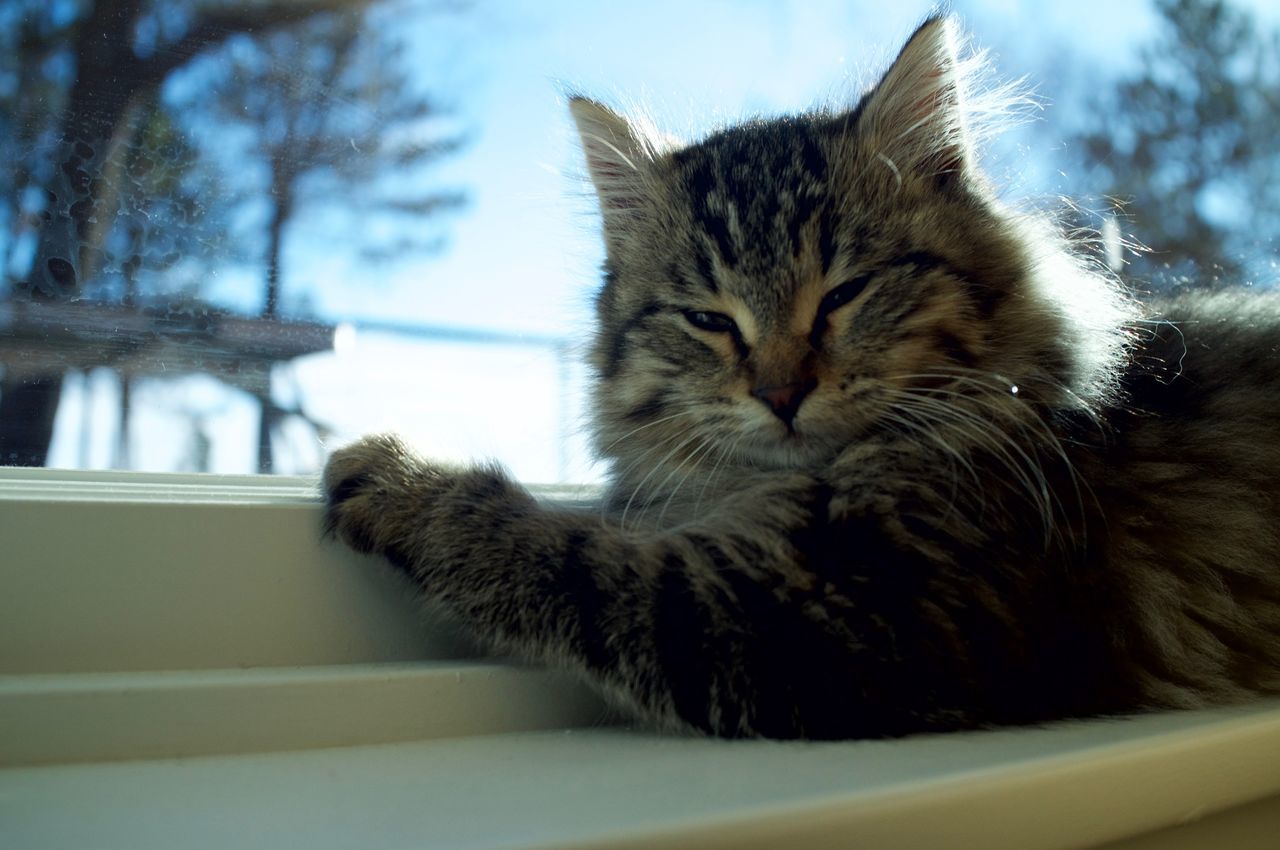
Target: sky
[(528, 247), (524, 255)]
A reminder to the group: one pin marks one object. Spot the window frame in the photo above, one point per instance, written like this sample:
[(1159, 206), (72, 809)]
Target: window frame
[(362, 668)]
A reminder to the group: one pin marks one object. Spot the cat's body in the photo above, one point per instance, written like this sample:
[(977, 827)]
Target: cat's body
[(885, 458)]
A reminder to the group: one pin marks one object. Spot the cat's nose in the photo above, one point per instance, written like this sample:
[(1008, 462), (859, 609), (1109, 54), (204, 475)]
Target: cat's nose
[(784, 400)]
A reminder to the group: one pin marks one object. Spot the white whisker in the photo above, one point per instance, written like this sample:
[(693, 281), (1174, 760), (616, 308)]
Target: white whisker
[(659, 465)]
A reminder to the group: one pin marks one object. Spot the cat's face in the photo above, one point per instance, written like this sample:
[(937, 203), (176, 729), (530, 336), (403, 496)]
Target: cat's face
[(781, 288), (779, 294)]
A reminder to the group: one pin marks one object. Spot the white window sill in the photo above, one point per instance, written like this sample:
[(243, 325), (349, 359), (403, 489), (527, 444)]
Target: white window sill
[(184, 664)]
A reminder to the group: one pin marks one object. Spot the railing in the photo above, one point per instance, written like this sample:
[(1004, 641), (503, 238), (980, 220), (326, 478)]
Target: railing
[(120, 353)]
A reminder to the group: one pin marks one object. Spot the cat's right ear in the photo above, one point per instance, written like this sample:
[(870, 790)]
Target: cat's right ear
[(617, 157)]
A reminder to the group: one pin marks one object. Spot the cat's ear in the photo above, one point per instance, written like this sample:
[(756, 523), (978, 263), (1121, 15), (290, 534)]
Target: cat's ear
[(617, 155), (914, 119)]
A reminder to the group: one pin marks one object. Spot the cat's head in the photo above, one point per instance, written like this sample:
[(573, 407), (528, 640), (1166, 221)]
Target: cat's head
[(779, 289)]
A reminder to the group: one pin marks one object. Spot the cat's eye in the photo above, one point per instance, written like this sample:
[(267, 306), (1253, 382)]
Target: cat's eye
[(842, 294), (708, 321)]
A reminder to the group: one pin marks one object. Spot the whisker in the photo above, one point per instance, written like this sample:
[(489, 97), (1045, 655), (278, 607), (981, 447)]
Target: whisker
[(724, 454), (693, 467), (635, 431), (1050, 438), (655, 492), (623, 476), (1021, 465), (917, 430), (659, 465)]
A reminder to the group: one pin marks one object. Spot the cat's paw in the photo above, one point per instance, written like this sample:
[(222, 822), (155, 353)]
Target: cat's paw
[(367, 487)]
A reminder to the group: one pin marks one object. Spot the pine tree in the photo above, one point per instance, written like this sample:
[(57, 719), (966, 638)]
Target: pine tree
[(1188, 148)]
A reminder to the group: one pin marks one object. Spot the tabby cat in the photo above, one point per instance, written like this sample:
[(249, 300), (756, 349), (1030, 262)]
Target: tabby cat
[(886, 457)]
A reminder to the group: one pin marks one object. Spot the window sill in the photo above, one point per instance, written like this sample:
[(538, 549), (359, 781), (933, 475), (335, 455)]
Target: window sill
[(182, 658)]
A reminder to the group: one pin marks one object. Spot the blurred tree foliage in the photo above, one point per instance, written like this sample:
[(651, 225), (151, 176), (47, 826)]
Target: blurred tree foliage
[(116, 119), (1187, 147), (331, 115), (333, 118)]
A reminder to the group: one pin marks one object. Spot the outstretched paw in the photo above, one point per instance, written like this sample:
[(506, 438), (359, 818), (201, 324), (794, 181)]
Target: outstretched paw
[(367, 486)]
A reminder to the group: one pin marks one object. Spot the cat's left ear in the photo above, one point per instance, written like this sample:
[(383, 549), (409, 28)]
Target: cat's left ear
[(914, 119)]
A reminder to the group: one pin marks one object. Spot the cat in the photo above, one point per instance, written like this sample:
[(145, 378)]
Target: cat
[(886, 457)]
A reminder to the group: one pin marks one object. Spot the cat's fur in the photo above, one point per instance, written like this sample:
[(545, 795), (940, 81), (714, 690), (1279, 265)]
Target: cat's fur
[(885, 457)]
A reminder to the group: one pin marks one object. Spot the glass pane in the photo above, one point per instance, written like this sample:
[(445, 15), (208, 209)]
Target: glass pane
[(234, 235)]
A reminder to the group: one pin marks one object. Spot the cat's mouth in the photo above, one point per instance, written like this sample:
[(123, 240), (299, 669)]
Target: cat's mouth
[(808, 442), (793, 451)]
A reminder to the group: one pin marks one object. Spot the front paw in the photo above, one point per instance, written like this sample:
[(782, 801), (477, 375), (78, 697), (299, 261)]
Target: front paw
[(372, 489)]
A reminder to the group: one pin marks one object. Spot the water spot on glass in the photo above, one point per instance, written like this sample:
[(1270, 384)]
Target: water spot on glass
[(62, 272), (78, 177)]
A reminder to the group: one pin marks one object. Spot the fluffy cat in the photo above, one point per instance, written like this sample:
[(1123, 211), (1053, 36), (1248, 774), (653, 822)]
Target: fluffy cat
[(886, 458)]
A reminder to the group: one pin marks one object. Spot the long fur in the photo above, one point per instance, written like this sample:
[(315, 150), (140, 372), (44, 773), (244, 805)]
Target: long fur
[(886, 456)]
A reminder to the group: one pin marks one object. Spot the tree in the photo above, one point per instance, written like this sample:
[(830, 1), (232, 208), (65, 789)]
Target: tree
[(33, 86), (94, 64), (169, 230), (333, 118), (1187, 146)]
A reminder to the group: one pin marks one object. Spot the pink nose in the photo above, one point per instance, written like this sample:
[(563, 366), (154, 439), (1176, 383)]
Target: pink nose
[(784, 400)]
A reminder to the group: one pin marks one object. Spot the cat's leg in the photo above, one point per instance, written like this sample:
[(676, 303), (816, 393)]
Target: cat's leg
[(753, 621)]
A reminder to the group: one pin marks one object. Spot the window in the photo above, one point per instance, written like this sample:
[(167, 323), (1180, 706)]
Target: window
[(234, 235)]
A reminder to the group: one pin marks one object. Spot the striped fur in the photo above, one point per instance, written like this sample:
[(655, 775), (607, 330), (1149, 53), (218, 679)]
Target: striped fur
[(885, 457)]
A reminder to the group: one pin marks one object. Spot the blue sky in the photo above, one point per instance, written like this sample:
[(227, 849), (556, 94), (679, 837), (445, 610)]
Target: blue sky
[(524, 255), (527, 249)]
